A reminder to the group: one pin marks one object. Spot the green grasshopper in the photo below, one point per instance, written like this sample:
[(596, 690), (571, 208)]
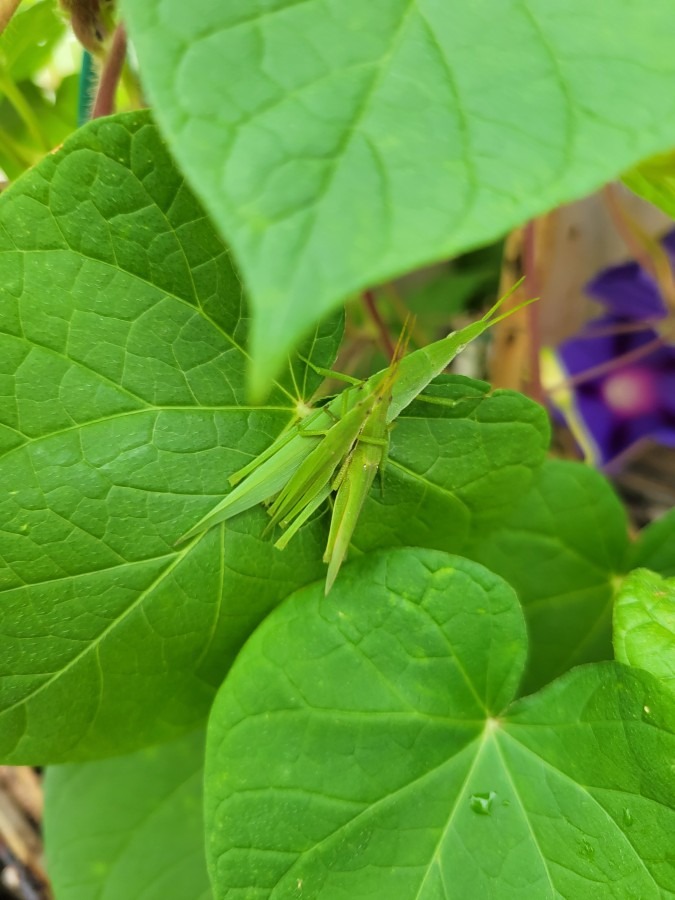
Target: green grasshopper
[(360, 466), (339, 447)]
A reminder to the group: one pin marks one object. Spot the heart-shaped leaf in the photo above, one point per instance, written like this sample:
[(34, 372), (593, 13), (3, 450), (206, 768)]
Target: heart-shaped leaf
[(338, 144), (364, 746), (644, 624), (130, 826)]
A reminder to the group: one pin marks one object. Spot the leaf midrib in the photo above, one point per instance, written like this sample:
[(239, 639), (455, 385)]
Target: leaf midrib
[(93, 645)]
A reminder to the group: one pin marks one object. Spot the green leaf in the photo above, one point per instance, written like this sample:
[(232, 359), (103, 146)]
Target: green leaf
[(129, 827), (644, 624), (122, 367), (363, 746), (350, 142), (57, 117), (561, 548), (655, 547)]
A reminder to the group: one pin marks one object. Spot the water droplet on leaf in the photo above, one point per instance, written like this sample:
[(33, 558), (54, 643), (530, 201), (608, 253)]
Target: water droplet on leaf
[(627, 818), (482, 803)]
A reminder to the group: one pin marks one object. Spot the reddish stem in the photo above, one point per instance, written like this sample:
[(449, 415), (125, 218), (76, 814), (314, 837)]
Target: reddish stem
[(104, 105), (373, 312)]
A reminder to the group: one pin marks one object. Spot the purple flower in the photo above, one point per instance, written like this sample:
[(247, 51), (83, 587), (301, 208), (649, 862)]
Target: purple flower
[(620, 373)]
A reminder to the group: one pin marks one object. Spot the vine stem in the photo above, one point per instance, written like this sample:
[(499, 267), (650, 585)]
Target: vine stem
[(104, 105), (374, 313)]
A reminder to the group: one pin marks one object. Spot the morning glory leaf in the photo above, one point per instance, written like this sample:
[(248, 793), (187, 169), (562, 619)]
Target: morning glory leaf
[(366, 745), (351, 141), (130, 826), (562, 548), (122, 360), (644, 624)]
